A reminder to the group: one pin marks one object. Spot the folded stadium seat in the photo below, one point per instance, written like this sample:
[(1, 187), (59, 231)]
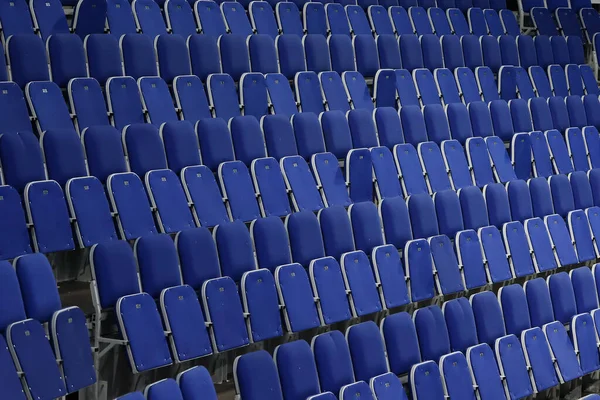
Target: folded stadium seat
[(486, 82), (330, 180), (581, 235), (518, 255), (446, 4), (235, 18), (337, 19), (180, 18), (509, 22), (360, 284), (486, 375), (525, 88), (58, 146), (290, 52), (458, 22), (289, 355), (434, 168), (561, 239), (493, 22), (470, 259), (245, 372), (539, 302), (543, 21), (577, 149), (467, 85), (190, 98), (163, 389), (567, 365), (359, 175), (235, 249), (405, 86), (67, 58), (495, 260), (380, 20), (558, 152), (584, 340), (262, 18), (308, 134), (253, 95), (431, 329), (384, 94), (15, 20), (562, 195), (139, 318), (498, 207), (90, 211), (480, 118), (87, 103), (591, 106), (568, 24), (387, 386), (447, 86), (406, 4), (24, 56), (420, 21), (222, 96), (280, 95), (400, 20), (261, 304), (446, 270), (540, 197), (128, 199), (479, 161), (204, 55), (472, 51), (49, 18), (559, 113), (300, 182), (527, 51), (148, 18), (296, 297), (592, 140), (206, 21), (314, 19), (422, 209), (334, 93), (386, 180), (367, 61), (342, 53), (330, 291), (583, 287), (359, 25), (181, 145), (119, 18), (369, 237), (51, 229), (22, 334), (157, 101), (21, 159), (477, 24), (501, 120), (582, 190), (230, 48), (237, 186), (389, 274), (360, 388), (539, 358), (332, 347), (452, 52), (456, 163), (507, 82), (426, 382), (521, 116), (456, 376), (540, 244), (388, 125), (279, 136), (589, 81), (413, 123), (440, 23), (394, 212), (426, 87), (357, 91), (166, 194), (589, 22), (288, 19), (542, 163), (574, 80), (543, 49), (520, 200), (409, 169)]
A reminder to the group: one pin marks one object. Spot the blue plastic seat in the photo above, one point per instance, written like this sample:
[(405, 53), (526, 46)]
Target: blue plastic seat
[(124, 102), (21, 159), (379, 20), (230, 48), (235, 18), (190, 98), (431, 329), (48, 107), (332, 347), (236, 186), (314, 19), (67, 58), (280, 94), (148, 18), (479, 161), (328, 282), (288, 19), (485, 371), (295, 294), (467, 84), (245, 372), (290, 52), (49, 18), (456, 163), (400, 21), (486, 81), (470, 258), (420, 21), (401, 342), (419, 270), (223, 96), (180, 18), (208, 24), (426, 381), (434, 167), (287, 356), (488, 317), (168, 197), (458, 21), (540, 244), (253, 95)]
